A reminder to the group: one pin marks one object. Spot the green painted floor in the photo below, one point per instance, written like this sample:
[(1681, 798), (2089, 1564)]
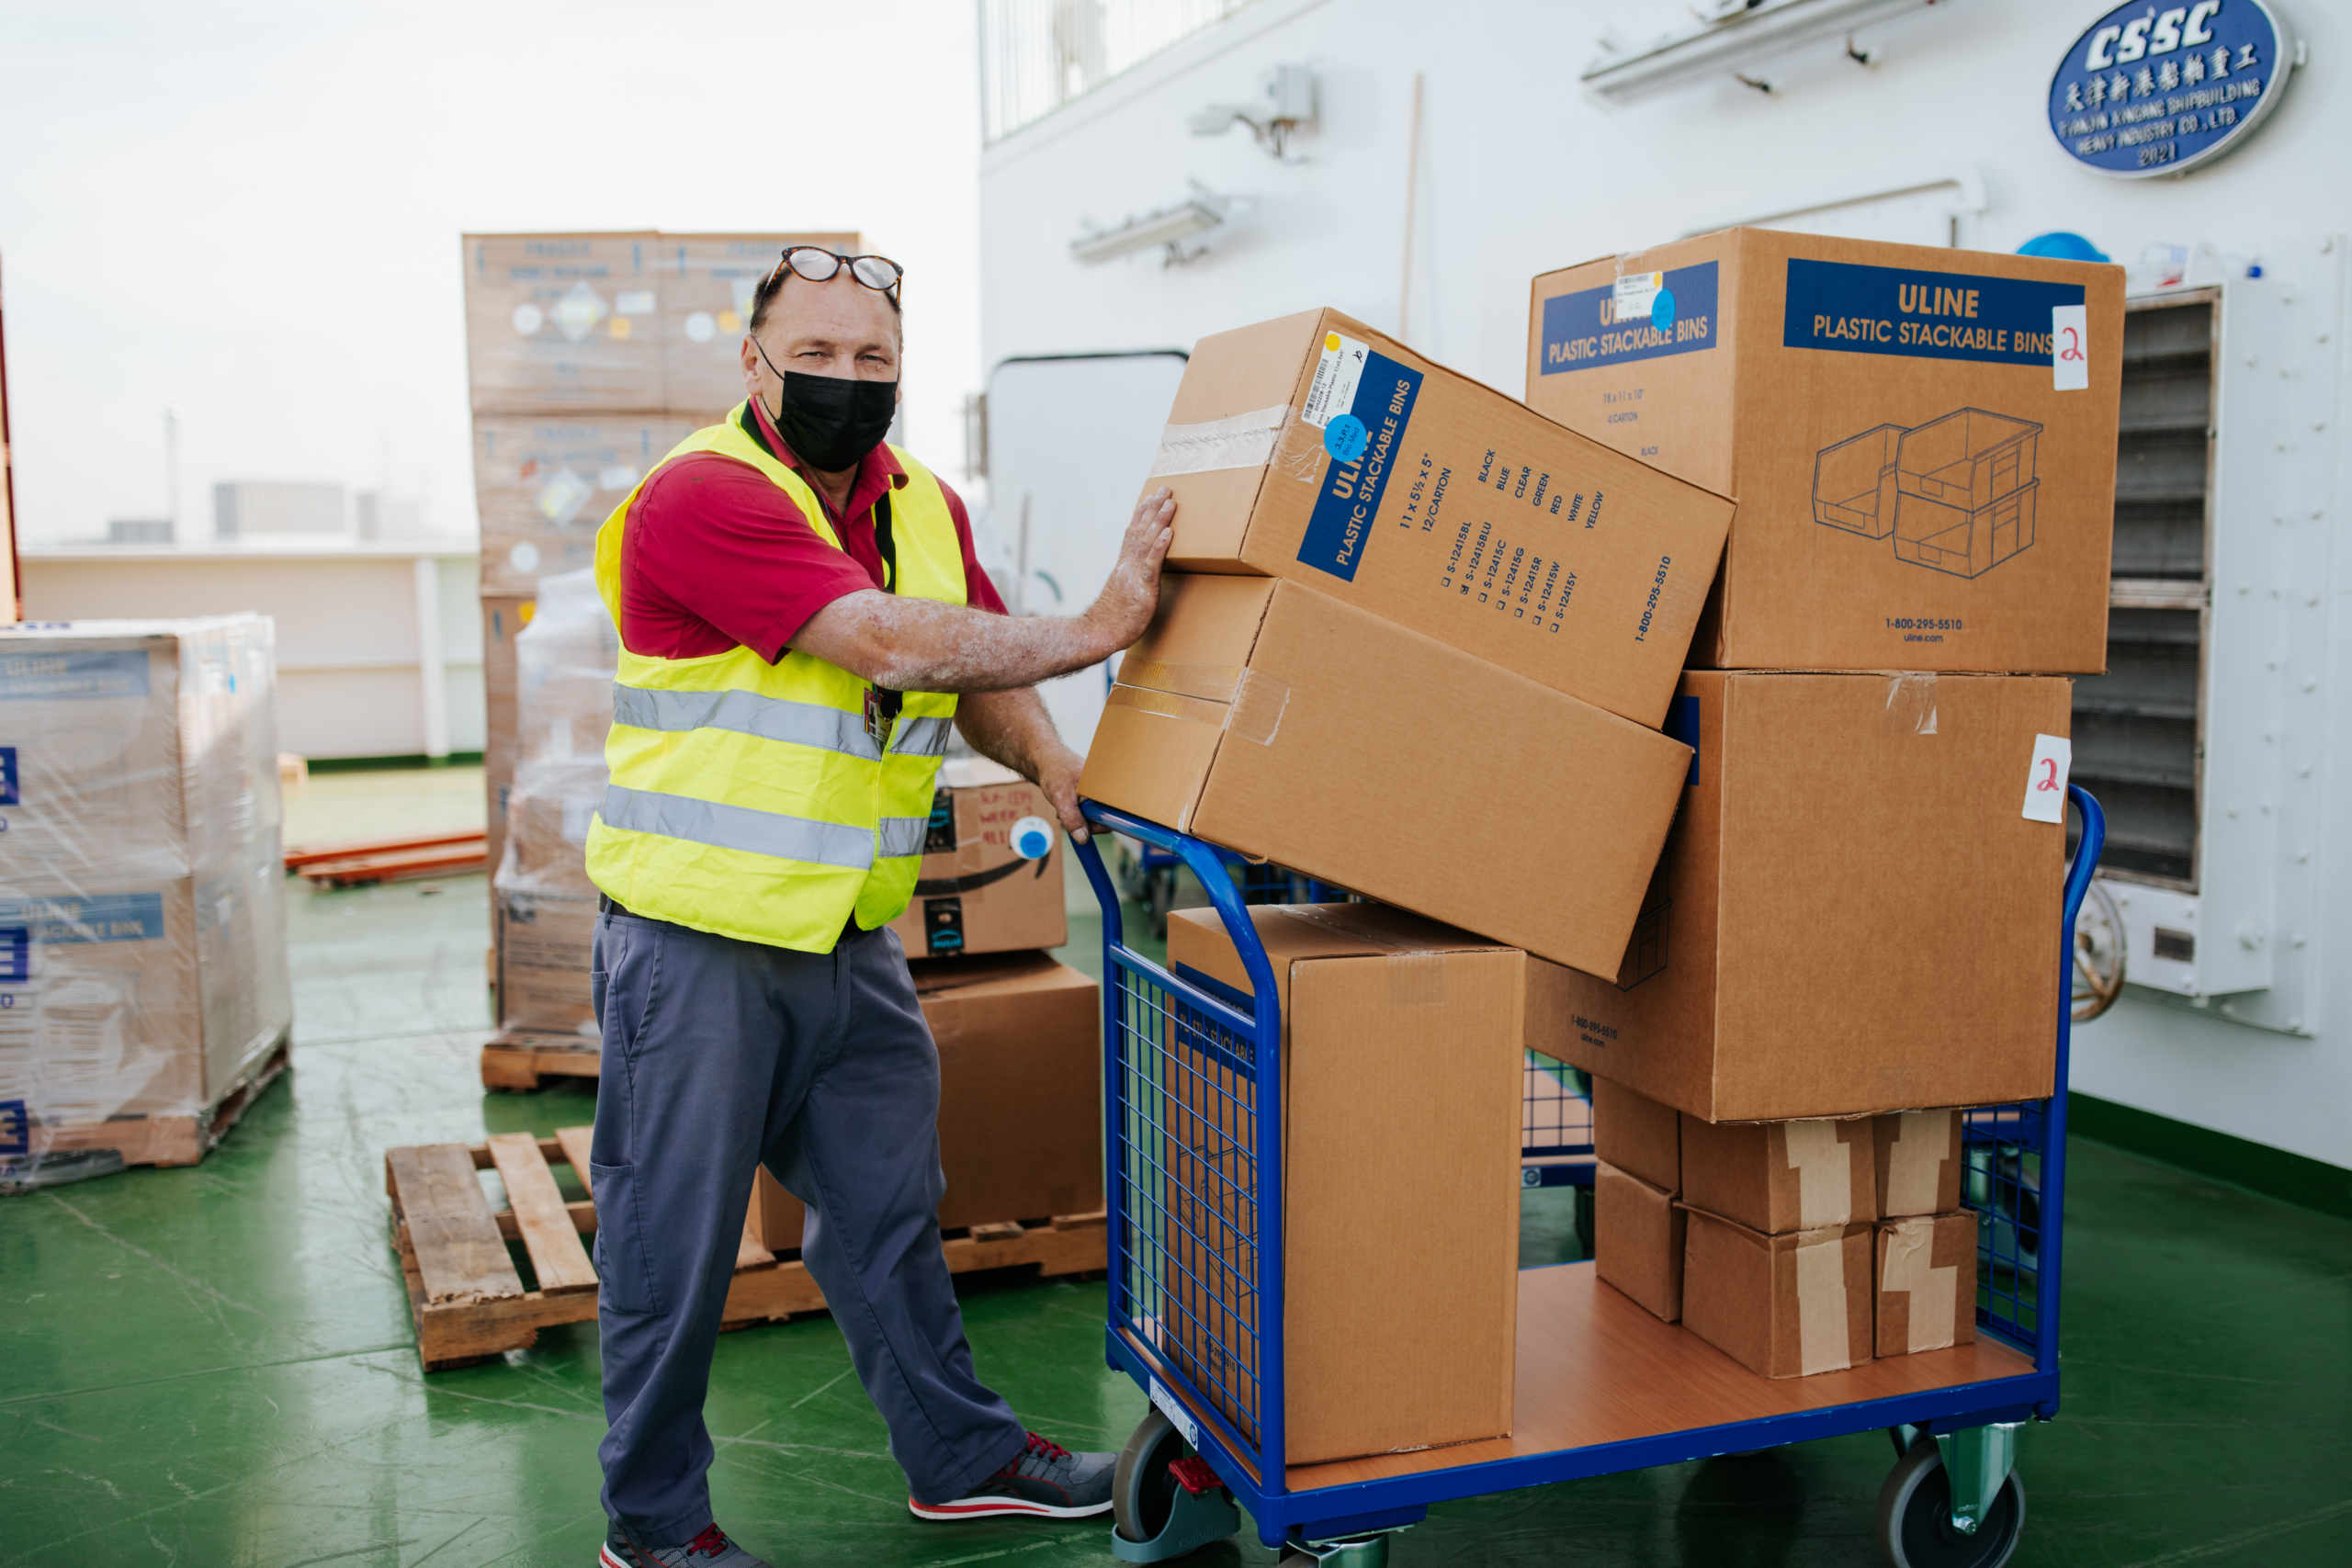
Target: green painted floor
[(213, 1366)]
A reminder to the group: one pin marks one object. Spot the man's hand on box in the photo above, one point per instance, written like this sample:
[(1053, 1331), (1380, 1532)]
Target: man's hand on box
[(1131, 596), (1057, 776)]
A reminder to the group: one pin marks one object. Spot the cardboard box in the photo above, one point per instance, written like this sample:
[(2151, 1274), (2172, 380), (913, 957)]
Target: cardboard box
[(982, 887), (1283, 724), (562, 323), (1777, 1177), (1920, 486), (1638, 1239), (704, 285), (544, 937), (603, 323), (1782, 1307), (1317, 449), (1399, 1036), (1020, 1095), (1919, 1163), (1850, 888), (1926, 1283), (545, 484), (1637, 1135)]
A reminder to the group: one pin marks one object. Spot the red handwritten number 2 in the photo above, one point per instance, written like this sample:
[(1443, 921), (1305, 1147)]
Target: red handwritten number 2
[(2050, 781), (2071, 351)]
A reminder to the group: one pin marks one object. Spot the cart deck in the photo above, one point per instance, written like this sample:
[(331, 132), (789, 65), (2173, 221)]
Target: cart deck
[(1193, 1116)]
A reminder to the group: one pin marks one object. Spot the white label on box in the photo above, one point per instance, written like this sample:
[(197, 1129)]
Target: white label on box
[(619, 476), (1634, 296), (633, 303), (2070, 348), (1176, 1413), (2045, 785), (1333, 391)]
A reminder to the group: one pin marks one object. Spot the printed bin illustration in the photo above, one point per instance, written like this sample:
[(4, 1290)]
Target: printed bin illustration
[(1966, 544), (1853, 482), (1968, 460)]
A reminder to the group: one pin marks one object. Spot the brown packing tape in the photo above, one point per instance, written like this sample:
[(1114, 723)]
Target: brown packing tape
[(1824, 1318), (1827, 1170), (1920, 1144)]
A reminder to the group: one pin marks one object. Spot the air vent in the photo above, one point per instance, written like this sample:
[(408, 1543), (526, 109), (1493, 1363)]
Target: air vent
[(2178, 947)]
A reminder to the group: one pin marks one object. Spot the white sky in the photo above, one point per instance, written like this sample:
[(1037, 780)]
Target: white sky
[(252, 209)]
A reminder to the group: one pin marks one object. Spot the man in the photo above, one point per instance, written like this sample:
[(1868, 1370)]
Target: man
[(801, 618)]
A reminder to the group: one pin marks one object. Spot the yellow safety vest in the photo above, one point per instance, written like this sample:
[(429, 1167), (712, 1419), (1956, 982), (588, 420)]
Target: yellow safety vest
[(747, 799)]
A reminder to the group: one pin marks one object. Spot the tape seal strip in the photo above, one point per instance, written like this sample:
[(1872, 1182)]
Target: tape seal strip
[(1239, 441)]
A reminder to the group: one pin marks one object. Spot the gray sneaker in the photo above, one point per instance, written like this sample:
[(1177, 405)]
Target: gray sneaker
[(709, 1550), (1044, 1481)]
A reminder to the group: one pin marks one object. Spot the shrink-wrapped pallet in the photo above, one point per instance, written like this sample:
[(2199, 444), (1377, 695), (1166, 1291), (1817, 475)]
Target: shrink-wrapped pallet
[(544, 904), (143, 984)]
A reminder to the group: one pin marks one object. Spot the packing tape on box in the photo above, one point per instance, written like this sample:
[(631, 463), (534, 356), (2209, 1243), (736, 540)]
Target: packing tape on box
[(1822, 1322), (1824, 1168), (1915, 1161), (1216, 683), (1255, 711), (1909, 1266), (1911, 704), (1239, 441), (1415, 979)]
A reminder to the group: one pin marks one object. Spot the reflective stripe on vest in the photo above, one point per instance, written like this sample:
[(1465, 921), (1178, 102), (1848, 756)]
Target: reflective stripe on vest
[(748, 799)]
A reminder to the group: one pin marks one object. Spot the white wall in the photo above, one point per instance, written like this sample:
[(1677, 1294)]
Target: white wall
[(353, 667), (1520, 172)]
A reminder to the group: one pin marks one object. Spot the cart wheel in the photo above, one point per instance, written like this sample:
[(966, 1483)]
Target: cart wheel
[(1915, 1516), (1142, 1492)]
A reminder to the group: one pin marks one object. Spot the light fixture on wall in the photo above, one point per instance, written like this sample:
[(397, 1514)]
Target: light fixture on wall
[(1168, 226), (1284, 106), (1729, 38)]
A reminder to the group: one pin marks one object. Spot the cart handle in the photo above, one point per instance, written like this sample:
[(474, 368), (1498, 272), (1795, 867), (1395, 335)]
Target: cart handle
[(1206, 862), (2048, 1290)]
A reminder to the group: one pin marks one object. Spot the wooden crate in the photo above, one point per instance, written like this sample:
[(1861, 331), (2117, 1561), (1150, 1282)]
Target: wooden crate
[(177, 1140), (467, 1297)]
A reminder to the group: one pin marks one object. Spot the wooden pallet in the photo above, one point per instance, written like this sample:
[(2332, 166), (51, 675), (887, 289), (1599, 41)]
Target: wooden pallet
[(177, 1140), (519, 1058), (389, 860), (468, 1301)]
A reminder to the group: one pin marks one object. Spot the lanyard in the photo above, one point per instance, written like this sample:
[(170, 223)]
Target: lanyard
[(882, 704)]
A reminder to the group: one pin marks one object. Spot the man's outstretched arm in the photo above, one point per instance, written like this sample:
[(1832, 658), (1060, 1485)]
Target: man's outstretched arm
[(1013, 728), (918, 645)]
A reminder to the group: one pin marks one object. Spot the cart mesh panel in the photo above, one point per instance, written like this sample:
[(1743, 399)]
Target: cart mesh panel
[(1554, 1122), (2003, 1184), (1186, 1277)]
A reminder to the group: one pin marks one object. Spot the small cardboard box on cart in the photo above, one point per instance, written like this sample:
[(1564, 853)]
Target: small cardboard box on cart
[(1020, 1112), (991, 877), (1638, 1228), (1293, 727), (1317, 449), (1922, 441), (1401, 1035), (1782, 1307), (1851, 884)]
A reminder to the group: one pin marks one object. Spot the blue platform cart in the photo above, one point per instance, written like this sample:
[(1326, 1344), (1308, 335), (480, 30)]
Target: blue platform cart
[(1603, 1386)]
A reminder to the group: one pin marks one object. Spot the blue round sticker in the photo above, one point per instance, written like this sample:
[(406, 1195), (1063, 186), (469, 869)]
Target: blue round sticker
[(1345, 439), (2150, 89), (1033, 838), (1662, 310)]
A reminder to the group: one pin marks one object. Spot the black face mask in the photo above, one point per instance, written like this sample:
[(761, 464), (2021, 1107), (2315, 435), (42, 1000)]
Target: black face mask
[(832, 422)]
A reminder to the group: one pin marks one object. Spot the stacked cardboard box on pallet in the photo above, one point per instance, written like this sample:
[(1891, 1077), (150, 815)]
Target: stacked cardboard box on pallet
[(143, 988), (590, 355)]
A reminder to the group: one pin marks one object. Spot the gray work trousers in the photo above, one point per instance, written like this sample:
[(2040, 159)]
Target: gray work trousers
[(718, 1053)]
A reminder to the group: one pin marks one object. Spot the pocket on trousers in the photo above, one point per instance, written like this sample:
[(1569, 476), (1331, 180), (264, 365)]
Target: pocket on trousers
[(625, 1279), (599, 982)]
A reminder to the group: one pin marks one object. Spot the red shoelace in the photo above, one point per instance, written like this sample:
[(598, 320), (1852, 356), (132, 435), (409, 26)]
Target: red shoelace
[(710, 1543), (1040, 1448)]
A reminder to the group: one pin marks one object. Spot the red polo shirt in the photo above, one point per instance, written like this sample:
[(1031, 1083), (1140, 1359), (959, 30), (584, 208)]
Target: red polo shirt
[(716, 556)]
